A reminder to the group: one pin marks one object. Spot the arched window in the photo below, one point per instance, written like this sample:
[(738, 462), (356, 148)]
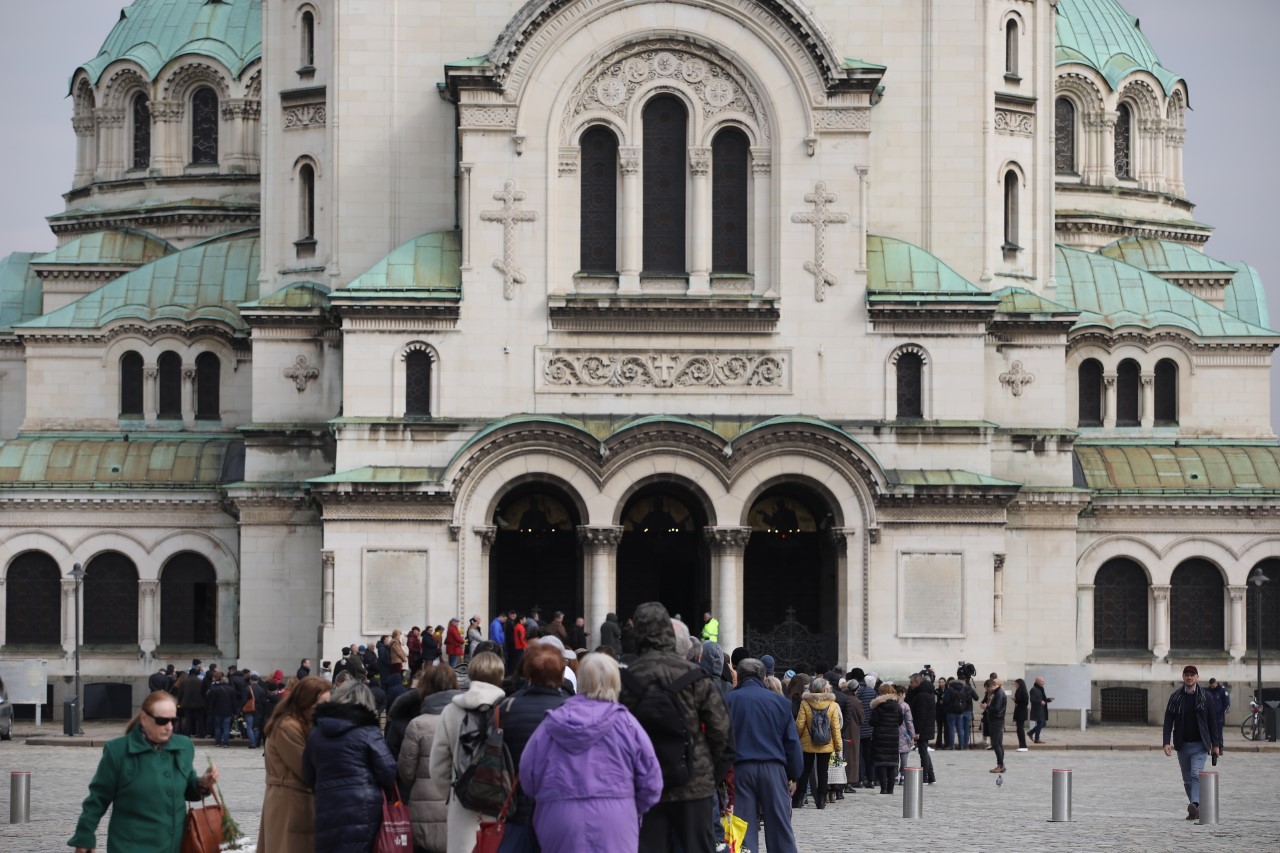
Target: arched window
[(1166, 392), (665, 144), (1270, 609), (1011, 211), (1124, 142), (1011, 49), (188, 602), (308, 40), (1196, 619), (598, 250), (204, 127), (729, 153), (417, 384), (141, 131), (33, 601), (1090, 375), (1128, 391), (1064, 137), (1120, 606), (110, 600), (307, 202), (910, 368), (130, 384), (208, 386), (170, 364)]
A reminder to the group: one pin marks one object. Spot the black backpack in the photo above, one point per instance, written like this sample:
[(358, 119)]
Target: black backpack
[(657, 709), (484, 773), (819, 726), (957, 702)]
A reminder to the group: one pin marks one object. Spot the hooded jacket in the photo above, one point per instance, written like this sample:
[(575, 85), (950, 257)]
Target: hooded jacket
[(611, 633), (705, 714), (924, 709), (886, 717), (427, 807), (712, 663), (348, 765), (819, 703)]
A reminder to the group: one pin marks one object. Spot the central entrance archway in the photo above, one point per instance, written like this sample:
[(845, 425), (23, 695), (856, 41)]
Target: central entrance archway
[(663, 555), (535, 558)]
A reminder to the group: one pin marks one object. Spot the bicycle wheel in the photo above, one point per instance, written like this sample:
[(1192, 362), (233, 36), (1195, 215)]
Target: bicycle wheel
[(1251, 728)]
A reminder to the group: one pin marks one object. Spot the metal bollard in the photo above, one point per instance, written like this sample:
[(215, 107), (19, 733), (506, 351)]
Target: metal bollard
[(20, 796), (912, 792), (1061, 796), (1208, 797)]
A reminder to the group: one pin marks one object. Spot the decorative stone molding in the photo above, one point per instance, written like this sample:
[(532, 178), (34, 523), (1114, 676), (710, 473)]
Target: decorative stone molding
[(567, 162), (849, 120), (629, 159), (820, 217), (727, 538), (600, 537), (509, 216), (1017, 378), (108, 117), (187, 77), (304, 115), (700, 161), (487, 533), (243, 108), (301, 372), (1014, 123), (761, 161), (477, 117), (645, 370)]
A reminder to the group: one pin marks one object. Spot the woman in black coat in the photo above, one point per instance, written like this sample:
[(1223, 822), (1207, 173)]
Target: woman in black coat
[(1021, 701), (886, 717), (349, 767)]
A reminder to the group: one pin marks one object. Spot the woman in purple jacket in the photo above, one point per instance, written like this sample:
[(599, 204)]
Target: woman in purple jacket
[(594, 800)]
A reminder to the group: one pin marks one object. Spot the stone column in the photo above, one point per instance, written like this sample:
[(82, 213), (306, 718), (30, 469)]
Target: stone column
[(601, 587), (69, 616), (148, 615), (1148, 400), (166, 137), (86, 150), (1109, 121), (568, 249), (464, 212), (228, 607), (110, 124), (4, 636), (864, 191), (486, 533), (997, 603), (1176, 138), (188, 396), (850, 592), (1160, 647), (1084, 620), (629, 158), (700, 219), (760, 246), (1109, 404), (326, 590), (1238, 623), (150, 393), (728, 544)]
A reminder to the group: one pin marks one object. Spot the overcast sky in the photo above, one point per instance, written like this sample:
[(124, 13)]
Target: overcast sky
[(1223, 48)]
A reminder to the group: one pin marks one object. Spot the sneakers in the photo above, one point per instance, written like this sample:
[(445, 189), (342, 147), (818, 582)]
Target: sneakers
[(1193, 811), (1021, 749)]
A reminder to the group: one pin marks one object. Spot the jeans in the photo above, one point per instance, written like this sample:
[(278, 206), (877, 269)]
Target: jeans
[(251, 730), (222, 729), (926, 761), (966, 728), (1035, 730), (1191, 758), (453, 660)]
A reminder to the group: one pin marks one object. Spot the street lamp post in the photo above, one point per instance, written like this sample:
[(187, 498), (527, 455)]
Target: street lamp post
[(1258, 579), (77, 574)]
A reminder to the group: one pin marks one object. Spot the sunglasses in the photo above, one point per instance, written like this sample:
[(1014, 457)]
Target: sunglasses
[(163, 721)]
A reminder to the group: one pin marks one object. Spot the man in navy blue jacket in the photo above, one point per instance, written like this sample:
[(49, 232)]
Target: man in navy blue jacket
[(1191, 727), (769, 760)]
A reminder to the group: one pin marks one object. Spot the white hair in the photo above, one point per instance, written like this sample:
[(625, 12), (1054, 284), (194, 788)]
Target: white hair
[(599, 678), (683, 641)]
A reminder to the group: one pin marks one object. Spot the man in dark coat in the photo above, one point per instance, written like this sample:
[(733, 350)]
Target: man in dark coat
[(683, 815), (611, 634), (304, 669), (865, 693), (1039, 709), (850, 733), (1190, 727), (996, 705), (924, 707), (192, 700), (959, 703)]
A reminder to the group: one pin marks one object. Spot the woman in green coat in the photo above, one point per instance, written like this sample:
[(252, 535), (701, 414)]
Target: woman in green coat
[(147, 776)]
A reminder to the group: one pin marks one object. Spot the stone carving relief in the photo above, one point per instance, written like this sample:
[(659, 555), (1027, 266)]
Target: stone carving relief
[(851, 119), (304, 115), (510, 217), (301, 372), (1014, 123), (1017, 378), (472, 116), (820, 217), (635, 370)]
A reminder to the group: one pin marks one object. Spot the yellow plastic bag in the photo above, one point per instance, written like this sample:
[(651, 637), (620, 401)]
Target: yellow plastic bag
[(735, 830)]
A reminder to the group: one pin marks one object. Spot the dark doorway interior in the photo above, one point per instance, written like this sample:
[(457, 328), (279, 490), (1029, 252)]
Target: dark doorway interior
[(535, 559), (663, 555)]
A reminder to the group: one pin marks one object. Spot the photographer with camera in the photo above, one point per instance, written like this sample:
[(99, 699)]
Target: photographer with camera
[(959, 701)]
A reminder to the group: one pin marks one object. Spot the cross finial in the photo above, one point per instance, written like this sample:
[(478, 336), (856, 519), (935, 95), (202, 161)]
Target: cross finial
[(820, 217)]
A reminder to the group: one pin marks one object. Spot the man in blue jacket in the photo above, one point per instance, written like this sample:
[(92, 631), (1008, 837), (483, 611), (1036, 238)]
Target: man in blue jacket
[(1191, 727), (769, 760)]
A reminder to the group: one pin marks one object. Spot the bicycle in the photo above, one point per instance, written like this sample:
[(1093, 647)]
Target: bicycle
[(1253, 727)]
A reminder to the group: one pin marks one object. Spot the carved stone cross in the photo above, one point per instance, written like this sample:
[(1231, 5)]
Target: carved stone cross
[(1017, 378), (301, 373), (509, 216), (820, 217)]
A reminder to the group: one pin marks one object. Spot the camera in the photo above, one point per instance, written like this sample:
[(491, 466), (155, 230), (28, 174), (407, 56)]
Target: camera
[(966, 670)]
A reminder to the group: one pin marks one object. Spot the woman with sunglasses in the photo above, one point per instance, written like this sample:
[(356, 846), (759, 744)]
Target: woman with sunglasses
[(147, 777)]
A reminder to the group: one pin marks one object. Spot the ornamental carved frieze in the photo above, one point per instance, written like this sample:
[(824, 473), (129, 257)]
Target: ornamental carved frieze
[(1013, 123), (304, 115), (644, 370), (476, 116), (851, 119)]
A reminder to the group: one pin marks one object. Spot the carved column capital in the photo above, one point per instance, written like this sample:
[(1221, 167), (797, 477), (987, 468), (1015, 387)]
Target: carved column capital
[(487, 533), (727, 538), (1109, 379), (149, 587), (997, 560), (1160, 593), (1238, 593), (151, 371), (629, 157), (1147, 378), (604, 537), (700, 161)]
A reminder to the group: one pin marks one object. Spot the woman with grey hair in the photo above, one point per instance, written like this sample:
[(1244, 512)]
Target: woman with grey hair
[(818, 723), (347, 764), (591, 768)]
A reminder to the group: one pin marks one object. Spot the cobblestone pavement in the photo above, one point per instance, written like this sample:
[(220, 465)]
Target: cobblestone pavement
[(1129, 800)]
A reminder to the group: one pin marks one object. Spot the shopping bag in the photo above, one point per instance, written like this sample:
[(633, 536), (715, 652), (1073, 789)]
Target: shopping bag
[(735, 830), (202, 832), (396, 832), (837, 776)]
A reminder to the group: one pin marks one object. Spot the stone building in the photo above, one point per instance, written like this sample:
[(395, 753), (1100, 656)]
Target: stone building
[(882, 331)]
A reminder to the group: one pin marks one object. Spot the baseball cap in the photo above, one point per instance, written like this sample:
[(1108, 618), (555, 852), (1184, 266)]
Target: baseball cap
[(1190, 670), (552, 640)]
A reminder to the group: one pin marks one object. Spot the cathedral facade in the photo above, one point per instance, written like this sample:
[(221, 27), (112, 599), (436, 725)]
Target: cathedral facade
[(884, 332)]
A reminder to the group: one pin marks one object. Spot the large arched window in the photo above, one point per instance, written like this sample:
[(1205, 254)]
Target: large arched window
[(204, 127), (130, 384), (170, 385), (729, 165), (1064, 137), (306, 202), (417, 384), (188, 602), (1166, 393), (1090, 376), (208, 386), (33, 600), (1196, 619), (1124, 142), (1011, 48), (1120, 606), (1011, 211), (910, 369), (308, 40), (141, 131), (110, 600), (1270, 609), (1128, 391), (598, 250), (664, 153)]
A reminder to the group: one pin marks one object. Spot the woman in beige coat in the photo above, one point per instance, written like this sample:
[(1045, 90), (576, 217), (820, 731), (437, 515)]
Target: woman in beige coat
[(427, 807), (399, 654), (288, 806)]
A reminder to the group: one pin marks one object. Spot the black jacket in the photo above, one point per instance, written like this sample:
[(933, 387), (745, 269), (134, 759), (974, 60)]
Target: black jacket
[(924, 709), (347, 764), (965, 692), (851, 729), (191, 696), (1206, 717), (611, 633), (221, 700), (996, 706), (521, 714), (1021, 700), (403, 711), (886, 717)]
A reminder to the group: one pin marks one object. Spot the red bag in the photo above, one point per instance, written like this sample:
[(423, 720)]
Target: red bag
[(396, 834), (489, 835)]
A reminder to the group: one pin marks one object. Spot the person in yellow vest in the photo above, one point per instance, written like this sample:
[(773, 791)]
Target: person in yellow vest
[(710, 628)]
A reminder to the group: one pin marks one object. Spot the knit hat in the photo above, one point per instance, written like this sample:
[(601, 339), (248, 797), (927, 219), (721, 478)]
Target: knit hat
[(767, 660)]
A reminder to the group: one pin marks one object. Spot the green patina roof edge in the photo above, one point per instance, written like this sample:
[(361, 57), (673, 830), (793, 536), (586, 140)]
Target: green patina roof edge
[(299, 295), (1116, 251), (21, 290), (427, 257), (949, 282), (1179, 460), (36, 450), (945, 477), (52, 257), (1019, 300), (1086, 29)]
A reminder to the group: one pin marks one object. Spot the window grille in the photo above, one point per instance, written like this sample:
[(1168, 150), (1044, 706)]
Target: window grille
[(1120, 608), (910, 402), (598, 252), (1196, 619), (111, 600), (729, 153), (33, 588), (204, 127), (1124, 142), (417, 390), (665, 147), (141, 131), (1064, 137), (1124, 705)]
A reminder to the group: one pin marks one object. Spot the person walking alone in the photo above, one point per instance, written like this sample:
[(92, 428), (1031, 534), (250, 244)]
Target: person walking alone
[(1191, 728), (1039, 709)]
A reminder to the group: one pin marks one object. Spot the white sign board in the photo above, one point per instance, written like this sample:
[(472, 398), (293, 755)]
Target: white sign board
[(395, 590), (25, 681), (1070, 685), (930, 594)]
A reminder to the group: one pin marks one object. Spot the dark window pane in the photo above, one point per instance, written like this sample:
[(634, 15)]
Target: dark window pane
[(1270, 609), (729, 152), (1064, 135), (1196, 620), (1090, 393), (308, 39), (204, 127), (131, 384), (33, 597), (307, 202), (1120, 606), (110, 600), (1011, 48), (665, 151), (599, 187), (1011, 210), (208, 381), (1166, 393), (141, 131), (910, 404), (170, 365), (188, 602), (1128, 390), (417, 390), (1124, 142)]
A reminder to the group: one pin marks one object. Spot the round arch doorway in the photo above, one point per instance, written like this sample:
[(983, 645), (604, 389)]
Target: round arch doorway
[(790, 605), (663, 555), (535, 559)]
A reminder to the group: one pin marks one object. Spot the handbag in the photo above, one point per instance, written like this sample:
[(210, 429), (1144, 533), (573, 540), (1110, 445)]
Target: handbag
[(396, 833), (202, 832), (489, 833), (837, 775)]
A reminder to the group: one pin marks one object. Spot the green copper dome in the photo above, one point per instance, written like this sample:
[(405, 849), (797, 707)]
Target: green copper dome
[(1103, 36), (154, 32)]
